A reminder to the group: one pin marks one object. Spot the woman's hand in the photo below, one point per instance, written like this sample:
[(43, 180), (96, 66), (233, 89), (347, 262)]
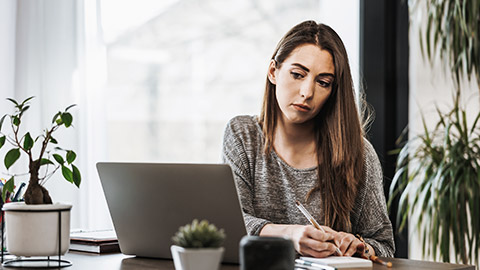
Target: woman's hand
[(307, 240), (348, 244)]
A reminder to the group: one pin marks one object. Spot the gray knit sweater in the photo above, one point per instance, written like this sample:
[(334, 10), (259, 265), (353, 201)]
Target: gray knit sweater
[(268, 187)]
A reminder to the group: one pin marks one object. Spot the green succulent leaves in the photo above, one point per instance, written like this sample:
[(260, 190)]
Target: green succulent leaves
[(199, 235)]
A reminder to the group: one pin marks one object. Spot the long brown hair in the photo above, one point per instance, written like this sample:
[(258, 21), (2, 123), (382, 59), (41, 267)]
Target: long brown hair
[(338, 127)]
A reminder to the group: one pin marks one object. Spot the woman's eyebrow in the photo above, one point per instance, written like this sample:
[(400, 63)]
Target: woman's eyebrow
[(301, 66), (325, 74)]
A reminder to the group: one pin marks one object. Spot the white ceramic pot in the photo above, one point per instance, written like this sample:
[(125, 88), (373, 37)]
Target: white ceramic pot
[(33, 230), (196, 258)]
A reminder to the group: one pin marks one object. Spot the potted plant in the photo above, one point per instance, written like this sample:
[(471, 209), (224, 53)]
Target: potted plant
[(438, 171), (197, 246), (451, 33), (438, 177), (32, 226)]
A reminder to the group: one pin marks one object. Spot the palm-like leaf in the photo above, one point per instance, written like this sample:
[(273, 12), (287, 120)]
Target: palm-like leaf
[(438, 180), (454, 27)]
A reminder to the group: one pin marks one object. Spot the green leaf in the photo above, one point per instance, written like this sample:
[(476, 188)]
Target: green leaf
[(71, 106), (13, 100), (67, 119), (16, 120), (45, 161), (67, 174), (71, 156), (52, 140), (77, 177), (55, 117), (9, 186), (1, 120), (26, 100), (24, 109), (28, 141), (58, 158), (2, 141), (474, 125), (11, 157)]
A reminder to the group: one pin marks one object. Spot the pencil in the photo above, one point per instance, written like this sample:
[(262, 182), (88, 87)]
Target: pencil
[(314, 222), (378, 260)]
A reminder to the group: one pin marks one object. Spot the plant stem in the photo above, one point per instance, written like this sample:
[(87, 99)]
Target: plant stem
[(463, 249), (45, 141), (17, 142), (46, 177)]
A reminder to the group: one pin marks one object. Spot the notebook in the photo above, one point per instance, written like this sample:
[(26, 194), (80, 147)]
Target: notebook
[(148, 202), (341, 262)]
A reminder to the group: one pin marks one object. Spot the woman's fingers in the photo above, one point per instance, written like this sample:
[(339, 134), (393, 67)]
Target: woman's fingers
[(310, 241), (316, 248), (316, 234), (349, 244), (328, 229), (344, 242)]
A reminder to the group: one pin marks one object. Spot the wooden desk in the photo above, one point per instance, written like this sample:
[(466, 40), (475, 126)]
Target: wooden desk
[(118, 261)]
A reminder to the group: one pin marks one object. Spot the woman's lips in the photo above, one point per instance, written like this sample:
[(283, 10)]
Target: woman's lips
[(301, 107)]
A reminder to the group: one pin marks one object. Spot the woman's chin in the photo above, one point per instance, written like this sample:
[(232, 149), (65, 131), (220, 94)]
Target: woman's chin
[(299, 120)]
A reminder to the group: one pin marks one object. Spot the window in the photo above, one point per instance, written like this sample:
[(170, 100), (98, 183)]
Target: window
[(179, 70)]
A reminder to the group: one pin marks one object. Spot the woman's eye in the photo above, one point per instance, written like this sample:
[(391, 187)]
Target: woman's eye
[(296, 75), (323, 83)]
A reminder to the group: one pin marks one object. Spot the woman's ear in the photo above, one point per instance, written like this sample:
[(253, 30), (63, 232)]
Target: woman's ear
[(271, 71)]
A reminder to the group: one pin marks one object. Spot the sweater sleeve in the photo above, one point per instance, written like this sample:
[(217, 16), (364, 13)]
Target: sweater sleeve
[(234, 153), (373, 222)]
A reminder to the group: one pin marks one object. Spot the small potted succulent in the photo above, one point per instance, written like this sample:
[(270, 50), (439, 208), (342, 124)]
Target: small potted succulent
[(32, 226), (198, 246)]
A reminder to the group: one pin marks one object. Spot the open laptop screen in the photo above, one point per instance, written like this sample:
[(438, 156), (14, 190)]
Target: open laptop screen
[(148, 202)]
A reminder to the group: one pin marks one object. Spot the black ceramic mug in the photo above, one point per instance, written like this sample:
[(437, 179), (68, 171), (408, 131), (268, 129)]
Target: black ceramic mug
[(266, 253)]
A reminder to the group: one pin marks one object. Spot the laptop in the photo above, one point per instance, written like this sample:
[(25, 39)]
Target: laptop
[(148, 202)]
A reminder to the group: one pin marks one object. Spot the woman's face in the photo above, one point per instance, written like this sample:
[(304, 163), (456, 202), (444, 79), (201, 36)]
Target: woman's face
[(303, 82)]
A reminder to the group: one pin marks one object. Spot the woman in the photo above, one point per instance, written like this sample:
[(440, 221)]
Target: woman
[(308, 145)]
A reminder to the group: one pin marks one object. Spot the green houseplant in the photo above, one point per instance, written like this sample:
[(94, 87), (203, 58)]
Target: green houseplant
[(36, 192), (198, 246), (33, 226), (438, 172), (438, 179), (452, 32)]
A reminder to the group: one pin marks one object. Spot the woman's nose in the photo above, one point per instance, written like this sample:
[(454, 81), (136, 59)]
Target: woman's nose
[(307, 89)]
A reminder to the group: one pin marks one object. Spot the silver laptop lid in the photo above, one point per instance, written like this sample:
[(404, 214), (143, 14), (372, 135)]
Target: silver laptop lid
[(148, 202)]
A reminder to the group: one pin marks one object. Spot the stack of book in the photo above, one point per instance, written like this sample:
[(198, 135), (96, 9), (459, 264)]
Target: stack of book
[(100, 241)]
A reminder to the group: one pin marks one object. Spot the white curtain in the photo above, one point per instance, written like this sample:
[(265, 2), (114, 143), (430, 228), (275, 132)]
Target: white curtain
[(7, 50), (50, 49)]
